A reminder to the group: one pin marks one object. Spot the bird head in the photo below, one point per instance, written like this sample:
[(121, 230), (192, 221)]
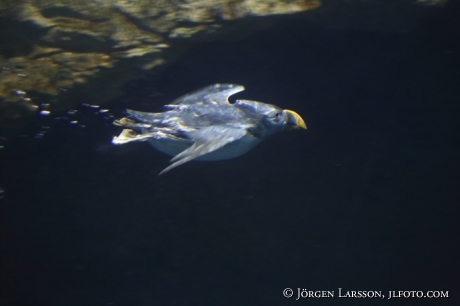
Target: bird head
[(275, 118)]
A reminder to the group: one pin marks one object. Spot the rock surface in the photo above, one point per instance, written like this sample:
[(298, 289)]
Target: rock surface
[(61, 52)]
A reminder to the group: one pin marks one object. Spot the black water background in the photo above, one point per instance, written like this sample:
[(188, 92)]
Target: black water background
[(365, 199)]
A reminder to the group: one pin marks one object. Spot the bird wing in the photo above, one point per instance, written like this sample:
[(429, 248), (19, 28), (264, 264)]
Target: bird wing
[(216, 94), (206, 140)]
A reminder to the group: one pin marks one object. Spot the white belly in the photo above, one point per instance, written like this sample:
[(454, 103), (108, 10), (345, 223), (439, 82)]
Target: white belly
[(228, 151)]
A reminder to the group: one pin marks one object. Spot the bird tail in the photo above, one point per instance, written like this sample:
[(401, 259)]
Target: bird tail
[(130, 123), (146, 117), (129, 134)]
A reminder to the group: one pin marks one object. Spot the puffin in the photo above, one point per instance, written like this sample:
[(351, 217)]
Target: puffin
[(204, 125)]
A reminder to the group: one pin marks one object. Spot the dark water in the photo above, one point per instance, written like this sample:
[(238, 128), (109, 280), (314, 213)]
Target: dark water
[(365, 199)]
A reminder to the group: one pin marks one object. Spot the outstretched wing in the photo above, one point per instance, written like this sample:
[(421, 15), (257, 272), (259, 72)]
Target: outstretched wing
[(207, 140), (216, 94)]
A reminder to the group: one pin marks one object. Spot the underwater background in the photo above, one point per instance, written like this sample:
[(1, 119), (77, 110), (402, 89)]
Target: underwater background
[(365, 199)]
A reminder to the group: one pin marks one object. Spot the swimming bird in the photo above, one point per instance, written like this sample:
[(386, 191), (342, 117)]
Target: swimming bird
[(204, 125)]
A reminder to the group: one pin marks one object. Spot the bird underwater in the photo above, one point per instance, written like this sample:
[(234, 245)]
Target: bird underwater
[(204, 125)]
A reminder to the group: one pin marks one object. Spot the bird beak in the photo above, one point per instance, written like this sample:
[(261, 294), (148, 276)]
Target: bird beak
[(295, 120)]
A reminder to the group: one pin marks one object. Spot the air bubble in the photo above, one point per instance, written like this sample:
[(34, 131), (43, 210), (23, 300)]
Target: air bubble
[(20, 92), (40, 135)]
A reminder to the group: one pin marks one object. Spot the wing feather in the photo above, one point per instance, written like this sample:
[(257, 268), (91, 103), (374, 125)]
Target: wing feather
[(215, 94), (206, 140)]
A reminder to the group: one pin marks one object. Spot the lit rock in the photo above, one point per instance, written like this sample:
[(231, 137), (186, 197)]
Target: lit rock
[(69, 50)]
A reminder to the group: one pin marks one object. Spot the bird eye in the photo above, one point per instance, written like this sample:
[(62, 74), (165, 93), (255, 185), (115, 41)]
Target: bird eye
[(277, 114)]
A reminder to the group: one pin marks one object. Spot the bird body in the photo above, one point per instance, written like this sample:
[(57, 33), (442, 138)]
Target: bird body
[(204, 126)]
